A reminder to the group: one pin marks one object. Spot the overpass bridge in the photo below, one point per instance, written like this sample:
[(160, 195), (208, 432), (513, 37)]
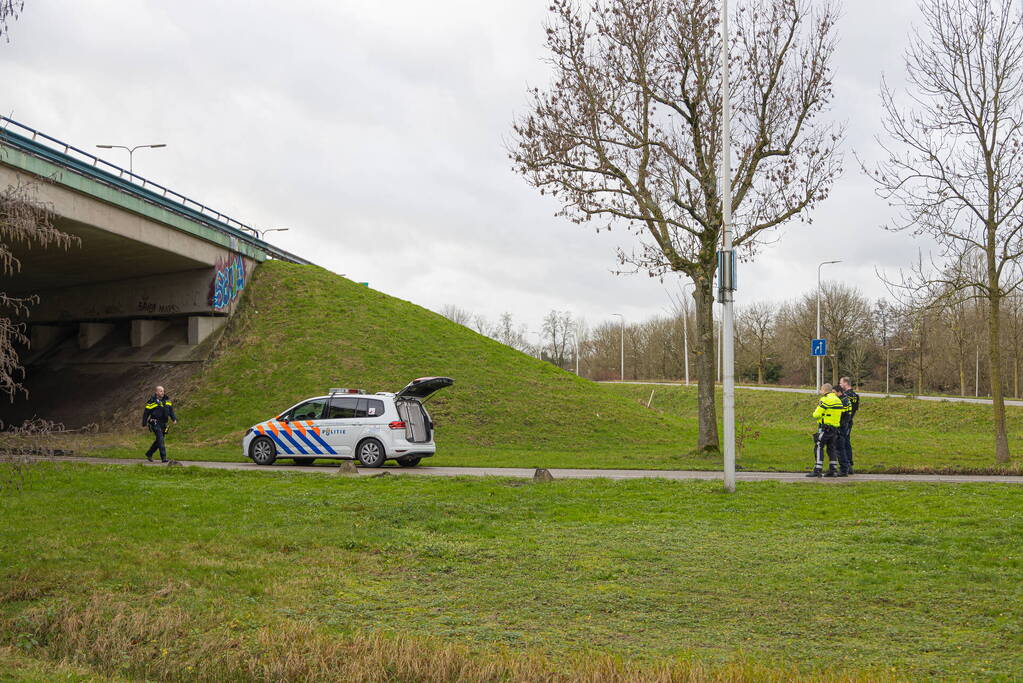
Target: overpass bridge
[(156, 273)]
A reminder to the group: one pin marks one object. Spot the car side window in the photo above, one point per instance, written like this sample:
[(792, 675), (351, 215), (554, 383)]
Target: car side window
[(342, 408), (353, 407), (310, 410), (374, 407)]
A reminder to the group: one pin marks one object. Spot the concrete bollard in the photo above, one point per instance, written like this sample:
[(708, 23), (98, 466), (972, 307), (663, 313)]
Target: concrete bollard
[(542, 475)]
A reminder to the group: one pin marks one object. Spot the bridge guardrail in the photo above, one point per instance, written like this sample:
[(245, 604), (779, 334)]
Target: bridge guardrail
[(89, 165)]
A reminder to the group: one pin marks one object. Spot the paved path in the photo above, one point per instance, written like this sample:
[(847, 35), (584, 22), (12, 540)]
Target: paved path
[(792, 390), (564, 473)]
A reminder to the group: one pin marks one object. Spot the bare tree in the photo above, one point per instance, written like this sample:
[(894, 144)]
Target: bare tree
[(628, 133), (755, 326), (456, 314), (506, 332), (557, 330), (955, 161), (27, 223), (9, 10), (481, 324)]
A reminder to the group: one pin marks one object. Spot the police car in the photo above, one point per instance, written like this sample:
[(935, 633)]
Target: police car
[(350, 424)]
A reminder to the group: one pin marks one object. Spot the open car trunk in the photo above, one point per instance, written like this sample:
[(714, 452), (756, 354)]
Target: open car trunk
[(418, 428)]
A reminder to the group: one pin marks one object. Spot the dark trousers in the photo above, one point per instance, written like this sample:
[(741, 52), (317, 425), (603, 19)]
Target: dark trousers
[(158, 443), (845, 434), (826, 437)]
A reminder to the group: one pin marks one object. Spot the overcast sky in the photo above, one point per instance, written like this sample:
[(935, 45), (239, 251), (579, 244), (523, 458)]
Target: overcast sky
[(375, 132)]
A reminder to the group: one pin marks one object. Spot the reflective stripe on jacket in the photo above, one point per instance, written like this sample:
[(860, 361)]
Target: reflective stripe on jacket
[(829, 410), (159, 409)]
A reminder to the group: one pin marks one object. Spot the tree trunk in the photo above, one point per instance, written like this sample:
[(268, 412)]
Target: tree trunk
[(704, 350), (995, 370), (834, 369), (962, 374), (920, 364)]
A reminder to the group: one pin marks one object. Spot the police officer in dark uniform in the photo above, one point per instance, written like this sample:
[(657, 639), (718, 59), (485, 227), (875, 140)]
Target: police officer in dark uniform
[(845, 430), (159, 410)]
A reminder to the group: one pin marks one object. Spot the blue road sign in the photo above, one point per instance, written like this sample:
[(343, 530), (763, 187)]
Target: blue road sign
[(818, 347)]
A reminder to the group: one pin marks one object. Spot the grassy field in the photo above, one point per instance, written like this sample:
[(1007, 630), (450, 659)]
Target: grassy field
[(301, 330), (181, 573)]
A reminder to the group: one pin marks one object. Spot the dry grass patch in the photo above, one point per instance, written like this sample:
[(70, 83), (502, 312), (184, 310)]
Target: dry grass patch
[(116, 638)]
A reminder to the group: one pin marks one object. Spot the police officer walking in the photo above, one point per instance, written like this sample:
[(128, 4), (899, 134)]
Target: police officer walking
[(850, 397), (829, 418), (159, 410)]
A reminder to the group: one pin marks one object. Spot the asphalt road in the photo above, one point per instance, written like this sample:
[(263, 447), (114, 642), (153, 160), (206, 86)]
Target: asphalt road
[(790, 390), (331, 468)]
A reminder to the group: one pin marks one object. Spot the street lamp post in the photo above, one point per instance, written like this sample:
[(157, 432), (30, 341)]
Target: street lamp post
[(576, 334), (726, 286), (260, 233), (819, 359), (887, 367), (539, 344), (685, 341), (976, 377), (131, 152), (622, 345)]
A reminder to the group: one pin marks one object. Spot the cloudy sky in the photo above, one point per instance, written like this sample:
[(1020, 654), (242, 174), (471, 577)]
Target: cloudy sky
[(375, 131)]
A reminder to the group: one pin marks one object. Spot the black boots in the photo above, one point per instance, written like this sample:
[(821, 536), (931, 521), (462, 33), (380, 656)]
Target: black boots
[(814, 473)]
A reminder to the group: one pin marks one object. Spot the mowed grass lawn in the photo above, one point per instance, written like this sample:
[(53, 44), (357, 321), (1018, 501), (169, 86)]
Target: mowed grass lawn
[(925, 579)]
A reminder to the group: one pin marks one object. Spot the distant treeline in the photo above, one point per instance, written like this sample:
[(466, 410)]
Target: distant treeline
[(936, 348)]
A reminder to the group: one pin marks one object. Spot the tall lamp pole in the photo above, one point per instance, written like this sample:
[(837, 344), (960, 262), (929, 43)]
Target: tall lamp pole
[(131, 152), (819, 359), (622, 344), (685, 341), (887, 367), (726, 287), (576, 348)]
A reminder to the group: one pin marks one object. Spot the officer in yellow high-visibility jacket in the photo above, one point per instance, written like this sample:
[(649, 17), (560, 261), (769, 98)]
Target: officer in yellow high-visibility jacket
[(829, 418)]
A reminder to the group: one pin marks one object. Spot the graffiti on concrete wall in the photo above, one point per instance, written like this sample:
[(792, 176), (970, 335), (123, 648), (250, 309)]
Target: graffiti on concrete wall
[(228, 282)]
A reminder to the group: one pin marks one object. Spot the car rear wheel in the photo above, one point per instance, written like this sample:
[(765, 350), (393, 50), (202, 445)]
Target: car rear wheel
[(304, 461), (263, 450), (371, 453), (409, 462)]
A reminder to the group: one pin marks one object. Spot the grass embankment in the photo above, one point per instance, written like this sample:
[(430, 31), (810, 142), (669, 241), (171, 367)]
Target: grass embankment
[(302, 329), (184, 573)]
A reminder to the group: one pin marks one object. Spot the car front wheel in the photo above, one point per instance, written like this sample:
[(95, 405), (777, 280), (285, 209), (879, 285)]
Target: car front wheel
[(263, 450), (371, 453)]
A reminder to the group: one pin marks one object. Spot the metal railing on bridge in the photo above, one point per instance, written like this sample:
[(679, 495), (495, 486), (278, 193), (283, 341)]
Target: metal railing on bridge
[(41, 145)]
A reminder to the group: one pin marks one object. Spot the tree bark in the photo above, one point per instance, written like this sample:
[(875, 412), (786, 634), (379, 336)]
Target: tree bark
[(704, 352), (962, 373), (995, 369)]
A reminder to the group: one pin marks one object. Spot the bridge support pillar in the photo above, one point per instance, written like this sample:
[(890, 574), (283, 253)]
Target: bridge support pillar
[(202, 326), (90, 333), (143, 331), (44, 336)]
